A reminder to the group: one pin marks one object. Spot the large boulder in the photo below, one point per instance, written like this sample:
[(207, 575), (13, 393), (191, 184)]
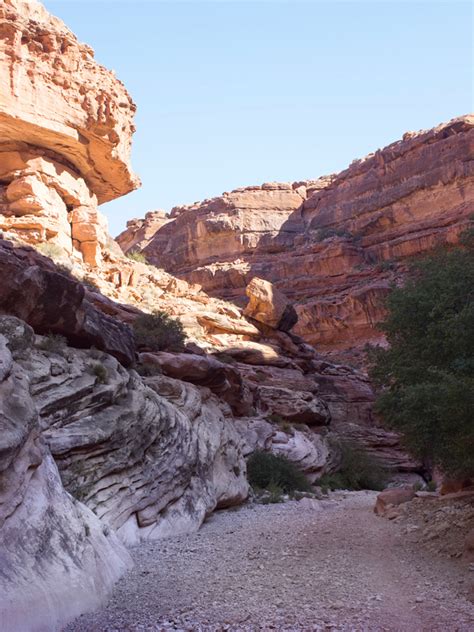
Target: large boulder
[(269, 306)]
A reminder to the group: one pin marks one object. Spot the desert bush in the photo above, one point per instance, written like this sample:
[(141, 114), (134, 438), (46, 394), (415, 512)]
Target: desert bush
[(159, 332), (139, 257), (275, 418), (326, 233), (275, 495), (266, 470), (148, 369), (386, 266), (358, 469), (53, 343), (100, 373), (53, 251), (426, 375)]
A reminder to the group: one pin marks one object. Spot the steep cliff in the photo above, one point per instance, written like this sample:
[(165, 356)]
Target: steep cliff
[(332, 245), (65, 133)]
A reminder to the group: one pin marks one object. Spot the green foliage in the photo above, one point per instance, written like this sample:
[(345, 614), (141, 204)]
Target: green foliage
[(148, 369), (159, 332), (139, 257), (266, 470), (52, 343), (427, 373), (275, 495), (358, 469), (274, 418), (326, 233), (53, 251), (286, 427), (431, 486), (386, 266), (100, 373)]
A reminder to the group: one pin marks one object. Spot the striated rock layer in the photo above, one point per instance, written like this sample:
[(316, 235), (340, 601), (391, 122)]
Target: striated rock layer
[(332, 245), (65, 133)]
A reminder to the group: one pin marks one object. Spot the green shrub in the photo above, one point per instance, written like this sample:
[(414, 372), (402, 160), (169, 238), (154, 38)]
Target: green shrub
[(431, 486), (386, 266), (275, 495), (426, 375), (53, 251), (326, 233), (358, 469), (286, 427), (148, 369), (139, 257), (275, 418), (266, 470), (159, 332), (100, 373), (53, 343)]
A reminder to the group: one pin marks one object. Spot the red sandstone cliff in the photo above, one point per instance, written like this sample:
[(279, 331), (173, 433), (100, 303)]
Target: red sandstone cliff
[(332, 245)]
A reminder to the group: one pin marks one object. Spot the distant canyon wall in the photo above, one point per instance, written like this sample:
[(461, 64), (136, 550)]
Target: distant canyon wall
[(333, 245)]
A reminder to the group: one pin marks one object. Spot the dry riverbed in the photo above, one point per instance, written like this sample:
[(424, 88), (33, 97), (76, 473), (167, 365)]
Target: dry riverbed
[(307, 565)]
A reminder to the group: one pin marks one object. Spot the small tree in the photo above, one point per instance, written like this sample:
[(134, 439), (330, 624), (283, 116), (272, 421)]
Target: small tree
[(268, 471), (427, 373), (159, 332)]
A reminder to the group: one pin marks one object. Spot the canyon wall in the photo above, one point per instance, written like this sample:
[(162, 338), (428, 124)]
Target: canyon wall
[(105, 443), (333, 245), (65, 134)]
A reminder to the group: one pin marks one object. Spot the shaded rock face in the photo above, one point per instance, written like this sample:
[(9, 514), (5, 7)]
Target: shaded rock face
[(150, 457), (50, 301), (57, 559), (65, 134), (333, 246)]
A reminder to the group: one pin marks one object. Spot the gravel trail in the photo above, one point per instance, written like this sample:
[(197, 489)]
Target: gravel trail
[(308, 565)]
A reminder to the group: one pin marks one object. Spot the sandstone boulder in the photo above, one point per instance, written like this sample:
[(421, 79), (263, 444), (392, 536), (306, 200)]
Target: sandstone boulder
[(390, 498), (269, 306)]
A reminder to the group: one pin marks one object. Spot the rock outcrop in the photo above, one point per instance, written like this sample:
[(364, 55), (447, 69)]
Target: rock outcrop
[(269, 306), (65, 133), (57, 559), (52, 301), (332, 245)]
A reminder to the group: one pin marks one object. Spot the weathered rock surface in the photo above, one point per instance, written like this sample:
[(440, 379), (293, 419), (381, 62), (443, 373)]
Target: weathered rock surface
[(52, 301), (334, 245), (57, 559), (269, 306), (65, 130)]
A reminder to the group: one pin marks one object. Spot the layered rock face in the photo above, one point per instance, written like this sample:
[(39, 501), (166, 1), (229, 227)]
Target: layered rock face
[(333, 245), (57, 558), (65, 134), (150, 457)]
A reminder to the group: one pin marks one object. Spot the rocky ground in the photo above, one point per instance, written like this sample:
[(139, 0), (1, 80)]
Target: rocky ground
[(307, 565)]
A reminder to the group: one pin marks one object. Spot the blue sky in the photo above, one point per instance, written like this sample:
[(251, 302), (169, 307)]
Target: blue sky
[(238, 93)]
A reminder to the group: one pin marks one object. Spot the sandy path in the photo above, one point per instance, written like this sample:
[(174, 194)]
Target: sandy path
[(289, 567)]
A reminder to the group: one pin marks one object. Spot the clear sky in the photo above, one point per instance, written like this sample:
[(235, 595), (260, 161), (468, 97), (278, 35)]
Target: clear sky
[(238, 93)]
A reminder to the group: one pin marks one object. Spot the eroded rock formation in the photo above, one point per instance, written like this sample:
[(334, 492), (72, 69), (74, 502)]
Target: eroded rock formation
[(57, 559), (65, 134), (333, 245)]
